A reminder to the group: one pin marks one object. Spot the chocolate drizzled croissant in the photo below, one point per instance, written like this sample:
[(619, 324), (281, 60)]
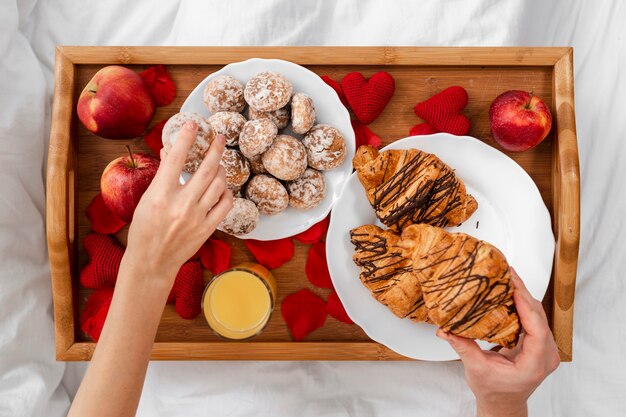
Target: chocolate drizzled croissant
[(386, 270), (410, 186), (466, 284)]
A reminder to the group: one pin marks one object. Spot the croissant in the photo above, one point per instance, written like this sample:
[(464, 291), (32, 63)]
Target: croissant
[(386, 270), (410, 186), (466, 284)]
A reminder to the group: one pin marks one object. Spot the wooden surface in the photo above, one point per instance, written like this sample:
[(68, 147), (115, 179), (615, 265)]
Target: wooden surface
[(192, 339)]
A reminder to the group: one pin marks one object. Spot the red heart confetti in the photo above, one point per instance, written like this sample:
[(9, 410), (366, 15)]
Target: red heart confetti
[(215, 255), (161, 85), (105, 255), (303, 311), (271, 253), (337, 87), (316, 268), (364, 136), (95, 313), (443, 111), (314, 233), (153, 138), (186, 294), (422, 129), (335, 308), (102, 219), (368, 98)]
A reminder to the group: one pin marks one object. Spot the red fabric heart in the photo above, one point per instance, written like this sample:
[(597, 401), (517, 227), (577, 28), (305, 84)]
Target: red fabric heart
[(364, 136), (153, 138), (105, 254), (186, 294), (368, 98), (160, 83), (303, 311), (102, 219), (215, 255), (337, 87), (316, 268), (422, 129), (314, 233), (271, 253), (95, 313), (443, 111), (336, 309)]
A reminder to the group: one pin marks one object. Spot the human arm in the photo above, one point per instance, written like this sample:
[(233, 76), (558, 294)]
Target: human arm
[(503, 381), (169, 225)]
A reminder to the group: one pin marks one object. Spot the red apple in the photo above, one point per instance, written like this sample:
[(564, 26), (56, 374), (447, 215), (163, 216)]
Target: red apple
[(124, 181), (116, 104), (519, 120)]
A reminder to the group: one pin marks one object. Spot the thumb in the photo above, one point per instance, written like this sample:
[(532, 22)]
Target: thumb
[(467, 349)]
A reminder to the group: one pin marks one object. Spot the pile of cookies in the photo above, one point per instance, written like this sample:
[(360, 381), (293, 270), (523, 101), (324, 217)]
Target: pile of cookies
[(266, 168)]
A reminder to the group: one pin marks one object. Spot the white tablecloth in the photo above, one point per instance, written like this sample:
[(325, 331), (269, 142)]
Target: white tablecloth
[(33, 384)]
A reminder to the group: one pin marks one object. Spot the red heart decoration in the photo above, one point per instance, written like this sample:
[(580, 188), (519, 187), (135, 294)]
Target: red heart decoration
[(105, 254), (364, 136), (316, 268), (422, 129), (271, 253), (93, 317), (443, 111), (303, 311), (335, 308), (186, 294), (314, 233), (368, 98), (102, 219)]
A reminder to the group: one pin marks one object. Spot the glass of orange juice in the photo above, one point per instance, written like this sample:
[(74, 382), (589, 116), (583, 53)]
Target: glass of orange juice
[(239, 302)]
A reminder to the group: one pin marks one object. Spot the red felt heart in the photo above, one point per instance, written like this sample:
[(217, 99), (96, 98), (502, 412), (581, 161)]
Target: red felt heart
[(215, 255), (316, 268), (105, 254), (422, 129), (186, 294), (303, 311), (336, 309), (102, 219), (443, 111), (368, 98), (153, 138), (160, 83), (93, 317), (271, 253), (314, 233), (337, 87), (364, 136)]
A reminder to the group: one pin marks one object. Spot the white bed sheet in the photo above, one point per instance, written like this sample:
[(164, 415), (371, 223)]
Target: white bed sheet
[(593, 385)]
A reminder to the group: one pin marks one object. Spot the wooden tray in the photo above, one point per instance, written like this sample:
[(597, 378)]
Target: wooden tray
[(77, 158)]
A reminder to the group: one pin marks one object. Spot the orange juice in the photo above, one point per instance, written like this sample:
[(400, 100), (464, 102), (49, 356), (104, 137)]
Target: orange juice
[(239, 302)]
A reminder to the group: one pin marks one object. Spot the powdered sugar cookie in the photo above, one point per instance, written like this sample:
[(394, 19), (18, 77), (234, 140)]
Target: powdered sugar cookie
[(325, 147), (268, 91), (237, 168), (269, 195), (256, 165), (204, 137), (302, 113), (224, 93), (229, 124), (280, 117), (307, 191), (256, 137), (286, 159), (241, 219)]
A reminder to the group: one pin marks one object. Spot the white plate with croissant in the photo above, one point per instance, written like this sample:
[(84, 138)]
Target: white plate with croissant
[(422, 237)]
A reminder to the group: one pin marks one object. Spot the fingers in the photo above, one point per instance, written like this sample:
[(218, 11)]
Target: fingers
[(172, 165), (221, 209), (215, 190), (469, 352), (207, 170), (530, 311)]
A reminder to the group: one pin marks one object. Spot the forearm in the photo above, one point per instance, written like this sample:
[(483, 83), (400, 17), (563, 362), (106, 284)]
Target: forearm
[(511, 410), (114, 380)]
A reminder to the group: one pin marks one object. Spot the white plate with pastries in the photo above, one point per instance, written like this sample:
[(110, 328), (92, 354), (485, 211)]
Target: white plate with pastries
[(328, 111), (511, 215)]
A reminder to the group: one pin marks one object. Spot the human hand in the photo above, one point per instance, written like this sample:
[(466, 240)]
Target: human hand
[(172, 221), (502, 381)]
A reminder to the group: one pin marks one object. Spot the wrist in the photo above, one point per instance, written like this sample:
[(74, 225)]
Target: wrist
[(501, 409), (147, 276)]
